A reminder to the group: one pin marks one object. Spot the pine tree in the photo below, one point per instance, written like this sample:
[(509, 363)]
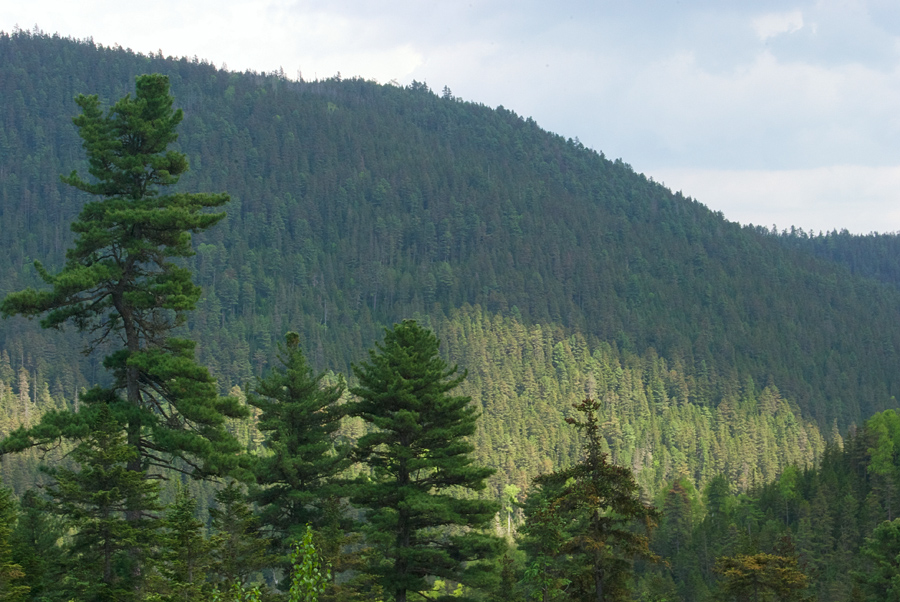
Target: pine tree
[(120, 283), (421, 464)]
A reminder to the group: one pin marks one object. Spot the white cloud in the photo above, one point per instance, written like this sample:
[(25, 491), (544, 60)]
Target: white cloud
[(774, 24), (859, 198)]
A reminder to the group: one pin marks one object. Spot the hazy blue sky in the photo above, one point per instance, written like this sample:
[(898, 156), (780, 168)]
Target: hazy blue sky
[(771, 112)]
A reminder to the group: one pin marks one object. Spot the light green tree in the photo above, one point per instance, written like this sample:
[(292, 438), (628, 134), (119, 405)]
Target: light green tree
[(309, 576), (510, 503)]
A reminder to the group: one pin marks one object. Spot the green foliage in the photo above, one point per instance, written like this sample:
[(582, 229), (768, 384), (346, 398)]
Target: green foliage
[(299, 417), (237, 593), (308, 574), (421, 466), (110, 507), (587, 521), (13, 586)]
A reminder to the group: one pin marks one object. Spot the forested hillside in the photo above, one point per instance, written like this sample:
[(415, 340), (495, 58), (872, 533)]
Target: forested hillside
[(835, 525), (870, 255), (549, 271)]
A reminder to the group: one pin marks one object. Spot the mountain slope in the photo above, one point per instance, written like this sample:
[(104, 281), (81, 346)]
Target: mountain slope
[(355, 205)]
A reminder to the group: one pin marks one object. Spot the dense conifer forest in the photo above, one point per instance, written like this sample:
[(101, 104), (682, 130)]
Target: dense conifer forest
[(733, 387)]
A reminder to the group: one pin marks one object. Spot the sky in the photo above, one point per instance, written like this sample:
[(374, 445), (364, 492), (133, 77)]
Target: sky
[(774, 113)]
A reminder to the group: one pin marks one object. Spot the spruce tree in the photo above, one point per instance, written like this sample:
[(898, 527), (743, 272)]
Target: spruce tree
[(123, 285), (416, 517)]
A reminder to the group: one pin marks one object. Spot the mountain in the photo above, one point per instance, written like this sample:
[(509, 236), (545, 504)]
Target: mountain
[(550, 271)]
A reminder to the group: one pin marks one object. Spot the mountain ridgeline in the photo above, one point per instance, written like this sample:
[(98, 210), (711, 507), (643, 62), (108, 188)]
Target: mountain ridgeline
[(550, 272)]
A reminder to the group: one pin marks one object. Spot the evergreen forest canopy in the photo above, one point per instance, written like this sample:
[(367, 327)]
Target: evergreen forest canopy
[(722, 357)]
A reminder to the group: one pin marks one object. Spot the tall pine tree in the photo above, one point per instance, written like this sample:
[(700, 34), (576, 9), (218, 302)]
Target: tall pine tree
[(122, 285)]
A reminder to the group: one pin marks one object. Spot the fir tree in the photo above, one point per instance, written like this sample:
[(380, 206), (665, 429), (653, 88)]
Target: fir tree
[(297, 479), (421, 462), (109, 549)]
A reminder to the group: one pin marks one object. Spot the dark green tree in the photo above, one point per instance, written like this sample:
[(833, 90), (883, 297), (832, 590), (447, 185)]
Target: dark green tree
[(421, 466), (240, 548), (36, 548), (882, 550), (121, 283), (12, 584), (297, 479), (109, 550), (598, 514), (186, 554)]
